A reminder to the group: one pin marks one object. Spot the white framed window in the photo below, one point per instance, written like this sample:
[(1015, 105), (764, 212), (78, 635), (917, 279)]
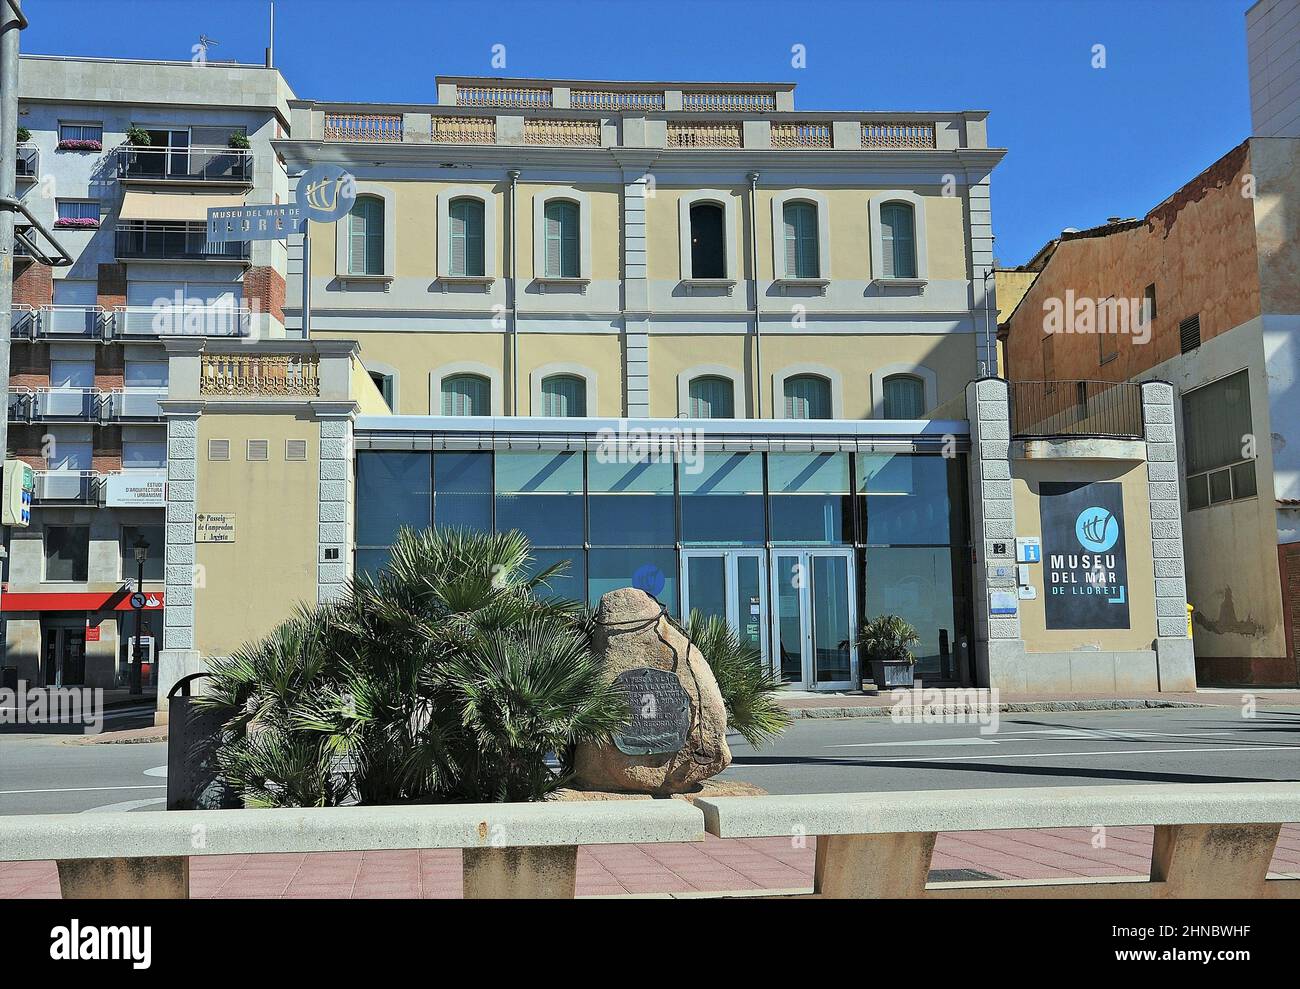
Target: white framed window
[(706, 222), (807, 391), (77, 209), (562, 235), (801, 239), (81, 132), (295, 450), (258, 450), (563, 389), (466, 388), (218, 450), (710, 391), (467, 233), (898, 388), (898, 244)]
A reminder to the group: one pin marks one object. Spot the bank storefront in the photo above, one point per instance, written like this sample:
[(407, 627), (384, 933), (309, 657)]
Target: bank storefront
[(792, 531)]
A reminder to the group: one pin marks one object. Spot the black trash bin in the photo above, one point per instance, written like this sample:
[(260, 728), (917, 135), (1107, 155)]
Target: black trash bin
[(192, 734), (9, 678)]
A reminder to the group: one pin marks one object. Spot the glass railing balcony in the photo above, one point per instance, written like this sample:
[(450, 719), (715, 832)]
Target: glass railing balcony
[(148, 322), (81, 404), (21, 403), (139, 240), (23, 322), (27, 165), (134, 403), (81, 322), (229, 166), (69, 487)]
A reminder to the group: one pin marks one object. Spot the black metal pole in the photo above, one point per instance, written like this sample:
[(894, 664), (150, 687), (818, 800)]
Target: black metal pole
[(136, 687)]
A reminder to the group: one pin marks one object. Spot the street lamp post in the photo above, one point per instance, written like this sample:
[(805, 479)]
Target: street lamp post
[(141, 547)]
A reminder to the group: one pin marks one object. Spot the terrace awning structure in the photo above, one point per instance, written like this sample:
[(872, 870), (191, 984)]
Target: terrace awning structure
[(175, 207)]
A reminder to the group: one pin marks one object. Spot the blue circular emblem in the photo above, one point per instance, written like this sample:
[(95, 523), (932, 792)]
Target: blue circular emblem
[(650, 579), (326, 193), (1096, 529)]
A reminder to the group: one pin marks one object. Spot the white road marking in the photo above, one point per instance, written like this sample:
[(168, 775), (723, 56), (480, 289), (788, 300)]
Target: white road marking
[(1052, 755), (86, 789), (157, 771), (126, 805), (1054, 733), (923, 741)]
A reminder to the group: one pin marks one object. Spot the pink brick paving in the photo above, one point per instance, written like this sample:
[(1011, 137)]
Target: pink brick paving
[(714, 865)]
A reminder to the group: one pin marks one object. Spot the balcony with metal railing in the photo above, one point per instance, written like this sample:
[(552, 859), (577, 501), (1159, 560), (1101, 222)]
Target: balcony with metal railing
[(1076, 409), (133, 404), (196, 165), (147, 240), (151, 322), (67, 487), (27, 164)]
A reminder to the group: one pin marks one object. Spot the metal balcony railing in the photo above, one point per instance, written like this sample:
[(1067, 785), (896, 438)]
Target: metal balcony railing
[(1103, 409), (23, 322), (68, 487), (146, 322), (230, 166), (27, 165), (142, 240), (133, 403), (21, 403)]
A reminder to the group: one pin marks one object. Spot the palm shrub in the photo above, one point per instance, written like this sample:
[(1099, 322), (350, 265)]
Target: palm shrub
[(748, 687), (888, 638), (448, 676)]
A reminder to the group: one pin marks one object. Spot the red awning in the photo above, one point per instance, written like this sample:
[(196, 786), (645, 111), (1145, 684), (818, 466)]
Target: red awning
[(119, 600)]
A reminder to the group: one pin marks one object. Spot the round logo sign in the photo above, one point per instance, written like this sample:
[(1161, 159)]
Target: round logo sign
[(650, 579), (1096, 529), (326, 193), (137, 601)]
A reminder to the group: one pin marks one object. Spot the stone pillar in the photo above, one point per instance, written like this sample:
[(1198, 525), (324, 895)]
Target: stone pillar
[(179, 657), (984, 306), (1175, 658), (636, 296), (333, 509), (999, 650)]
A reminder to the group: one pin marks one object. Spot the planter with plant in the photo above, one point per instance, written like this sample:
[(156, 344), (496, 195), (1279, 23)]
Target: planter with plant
[(78, 144), (24, 135), (239, 141), (77, 223), (886, 644), (138, 137)]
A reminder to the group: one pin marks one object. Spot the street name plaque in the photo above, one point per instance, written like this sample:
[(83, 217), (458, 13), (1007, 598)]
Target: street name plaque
[(661, 712)]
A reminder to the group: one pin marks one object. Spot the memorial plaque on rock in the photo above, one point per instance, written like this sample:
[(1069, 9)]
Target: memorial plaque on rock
[(660, 712)]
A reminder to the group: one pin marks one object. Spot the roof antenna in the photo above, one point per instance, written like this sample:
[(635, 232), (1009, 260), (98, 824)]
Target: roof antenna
[(204, 44), (270, 45)]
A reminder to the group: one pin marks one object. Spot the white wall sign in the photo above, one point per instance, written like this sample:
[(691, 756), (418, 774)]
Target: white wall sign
[(137, 489), (1002, 602), (1029, 549), (214, 527)]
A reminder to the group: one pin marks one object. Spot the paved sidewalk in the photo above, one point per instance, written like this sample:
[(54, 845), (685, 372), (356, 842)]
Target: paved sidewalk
[(712, 866), (849, 704)]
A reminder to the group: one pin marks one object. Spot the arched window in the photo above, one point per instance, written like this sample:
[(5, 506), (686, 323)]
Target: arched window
[(366, 236), (711, 396), (898, 240), (807, 396), (384, 382), (904, 397), (801, 255), (564, 395), (466, 395), (466, 254), (563, 249), (708, 241)]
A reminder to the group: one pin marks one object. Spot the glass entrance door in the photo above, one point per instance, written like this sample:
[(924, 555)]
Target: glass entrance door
[(728, 584), (65, 657), (814, 619)]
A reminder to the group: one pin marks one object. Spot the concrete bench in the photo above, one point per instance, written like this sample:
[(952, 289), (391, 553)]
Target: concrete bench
[(1211, 840), (522, 850)]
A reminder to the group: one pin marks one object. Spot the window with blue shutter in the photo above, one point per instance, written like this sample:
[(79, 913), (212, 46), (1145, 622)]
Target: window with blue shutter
[(466, 395), (564, 395), (366, 237), (898, 240), (807, 396), (801, 258), (467, 250), (904, 397), (711, 397), (562, 244)]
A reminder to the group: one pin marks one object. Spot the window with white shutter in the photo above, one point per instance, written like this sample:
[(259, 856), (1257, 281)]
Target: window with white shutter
[(807, 396)]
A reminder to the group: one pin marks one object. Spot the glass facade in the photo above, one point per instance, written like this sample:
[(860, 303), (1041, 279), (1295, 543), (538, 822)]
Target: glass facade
[(865, 533)]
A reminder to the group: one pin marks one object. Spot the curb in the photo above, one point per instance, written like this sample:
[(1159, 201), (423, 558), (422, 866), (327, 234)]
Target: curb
[(1009, 707)]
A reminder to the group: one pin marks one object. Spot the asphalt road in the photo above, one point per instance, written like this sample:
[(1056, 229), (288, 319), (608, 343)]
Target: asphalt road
[(51, 774)]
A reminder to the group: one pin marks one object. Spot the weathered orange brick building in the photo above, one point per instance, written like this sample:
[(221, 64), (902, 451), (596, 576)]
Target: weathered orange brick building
[(1203, 291)]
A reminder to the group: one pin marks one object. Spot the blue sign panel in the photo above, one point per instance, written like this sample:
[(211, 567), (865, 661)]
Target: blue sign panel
[(1086, 574), (326, 193), (227, 223)]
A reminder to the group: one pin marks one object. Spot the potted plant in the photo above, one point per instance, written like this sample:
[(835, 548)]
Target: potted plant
[(138, 137), (24, 135), (886, 642), (238, 141)]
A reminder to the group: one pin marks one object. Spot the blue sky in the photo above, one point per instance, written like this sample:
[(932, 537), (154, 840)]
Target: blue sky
[(1084, 143)]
